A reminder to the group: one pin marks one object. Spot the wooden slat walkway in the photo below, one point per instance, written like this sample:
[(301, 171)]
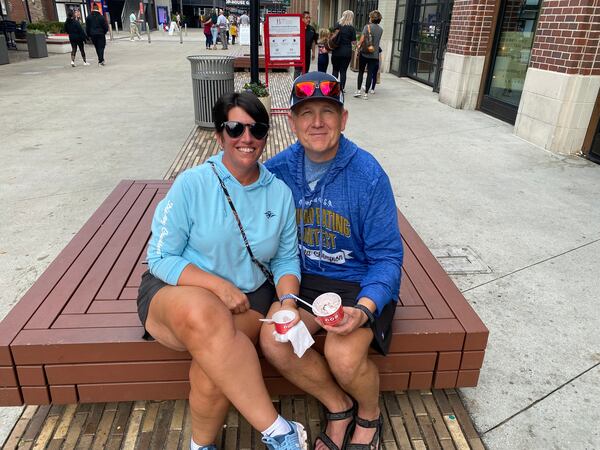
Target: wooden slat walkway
[(413, 420), (427, 419)]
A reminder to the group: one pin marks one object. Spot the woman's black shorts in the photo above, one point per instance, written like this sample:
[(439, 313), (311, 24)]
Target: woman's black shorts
[(314, 285), (260, 300)]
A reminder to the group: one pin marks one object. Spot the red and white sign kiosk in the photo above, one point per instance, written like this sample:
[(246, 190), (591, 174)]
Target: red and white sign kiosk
[(284, 42)]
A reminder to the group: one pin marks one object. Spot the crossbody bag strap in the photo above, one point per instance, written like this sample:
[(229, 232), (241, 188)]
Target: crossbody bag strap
[(266, 272)]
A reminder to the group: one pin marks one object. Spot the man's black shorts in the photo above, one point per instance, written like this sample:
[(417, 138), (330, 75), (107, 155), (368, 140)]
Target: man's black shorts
[(260, 300), (314, 285)]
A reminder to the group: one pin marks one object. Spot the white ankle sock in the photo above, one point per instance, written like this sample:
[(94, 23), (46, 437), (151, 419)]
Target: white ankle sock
[(277, 428), (194, 446)]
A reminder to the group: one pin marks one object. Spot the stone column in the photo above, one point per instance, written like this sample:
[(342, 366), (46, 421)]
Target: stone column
[(470, 32), (387, 8), (563, 79)]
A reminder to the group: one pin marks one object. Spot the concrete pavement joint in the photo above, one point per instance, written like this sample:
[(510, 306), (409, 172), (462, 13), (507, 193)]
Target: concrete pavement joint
[(508, 419), (532, 265)]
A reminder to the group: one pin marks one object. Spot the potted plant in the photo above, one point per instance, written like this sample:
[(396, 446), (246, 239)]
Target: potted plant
[(261, 91), (36, 44)]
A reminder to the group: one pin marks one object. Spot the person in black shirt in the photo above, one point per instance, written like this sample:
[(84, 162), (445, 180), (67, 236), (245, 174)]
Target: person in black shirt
[(76, 34), (342, 54), (96, 28), (310, 45)]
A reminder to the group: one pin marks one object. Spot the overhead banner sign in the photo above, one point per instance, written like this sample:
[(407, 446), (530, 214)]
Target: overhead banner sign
[(237, 2)]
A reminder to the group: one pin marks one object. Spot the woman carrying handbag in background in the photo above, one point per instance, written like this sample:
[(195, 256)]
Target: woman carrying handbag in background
[(368, 48)]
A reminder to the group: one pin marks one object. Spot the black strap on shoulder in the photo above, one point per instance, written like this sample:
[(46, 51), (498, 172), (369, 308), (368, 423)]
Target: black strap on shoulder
[(266, 272)]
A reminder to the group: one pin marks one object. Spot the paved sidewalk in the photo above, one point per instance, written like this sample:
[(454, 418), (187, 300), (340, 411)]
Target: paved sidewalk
[(462, 179)]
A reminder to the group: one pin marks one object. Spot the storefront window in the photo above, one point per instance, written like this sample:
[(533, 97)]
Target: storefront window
[(513, 50), (62, 8)]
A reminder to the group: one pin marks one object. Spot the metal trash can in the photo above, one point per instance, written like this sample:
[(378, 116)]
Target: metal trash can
[(212, 76), (3, 50)]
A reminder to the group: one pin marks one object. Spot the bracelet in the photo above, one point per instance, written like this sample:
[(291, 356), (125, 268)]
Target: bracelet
[(287, 297), (371, 318)]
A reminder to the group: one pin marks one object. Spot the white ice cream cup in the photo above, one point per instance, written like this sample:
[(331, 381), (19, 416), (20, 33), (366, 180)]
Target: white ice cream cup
[(328, 308), (283, 320)]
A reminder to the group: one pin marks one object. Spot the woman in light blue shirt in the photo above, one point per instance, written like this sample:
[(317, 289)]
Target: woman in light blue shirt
[(212, 277)]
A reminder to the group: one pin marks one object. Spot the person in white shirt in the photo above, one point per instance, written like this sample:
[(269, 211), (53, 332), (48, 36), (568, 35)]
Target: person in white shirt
[(244, 19), (133, 28), (223, 26)]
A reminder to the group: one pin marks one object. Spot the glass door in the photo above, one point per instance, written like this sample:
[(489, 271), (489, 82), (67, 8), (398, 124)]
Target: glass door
[(594, 154), (443, 29), (428, 37), (398, 38), (510, 58)]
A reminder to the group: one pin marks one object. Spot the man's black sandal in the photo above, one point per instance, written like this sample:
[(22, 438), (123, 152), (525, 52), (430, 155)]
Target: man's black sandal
[(375, 443), (323, 437)]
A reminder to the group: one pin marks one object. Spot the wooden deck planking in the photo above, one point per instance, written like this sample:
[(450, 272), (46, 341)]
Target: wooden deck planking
[(418, 419)]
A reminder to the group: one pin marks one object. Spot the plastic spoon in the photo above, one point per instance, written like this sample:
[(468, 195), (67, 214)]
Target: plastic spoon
[(302, 301)]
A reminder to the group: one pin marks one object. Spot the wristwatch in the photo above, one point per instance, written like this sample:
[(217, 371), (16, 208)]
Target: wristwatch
[(371, 318)]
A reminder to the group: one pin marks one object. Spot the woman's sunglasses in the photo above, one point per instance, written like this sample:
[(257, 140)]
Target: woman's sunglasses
[(307, 88), (236, 129)]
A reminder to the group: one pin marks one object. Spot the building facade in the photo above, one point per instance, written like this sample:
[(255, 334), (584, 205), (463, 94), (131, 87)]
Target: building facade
[(530, 63)]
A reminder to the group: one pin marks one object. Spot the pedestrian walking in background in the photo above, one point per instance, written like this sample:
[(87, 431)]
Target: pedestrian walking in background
[(233, 31), (244, 19), (77, 35), (310, 45), (178, 21), (223, 27), (368, 53), (133, 28), (342, 54), (375, 78), (207, 25), (214, 29), (323, 49), (96, 28)]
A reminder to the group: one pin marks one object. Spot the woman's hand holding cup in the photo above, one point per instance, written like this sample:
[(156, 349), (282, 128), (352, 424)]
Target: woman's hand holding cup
[(290, 305)]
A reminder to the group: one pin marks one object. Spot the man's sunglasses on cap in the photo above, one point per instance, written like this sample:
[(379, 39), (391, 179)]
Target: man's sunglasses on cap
[(305, 89), (235, 129)]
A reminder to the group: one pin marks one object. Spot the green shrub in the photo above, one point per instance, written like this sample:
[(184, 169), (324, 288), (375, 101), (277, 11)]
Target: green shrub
[(47, 27), (258, 89)]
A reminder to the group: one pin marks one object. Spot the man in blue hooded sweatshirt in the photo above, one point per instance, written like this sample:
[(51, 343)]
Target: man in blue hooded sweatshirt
[(349, 244)]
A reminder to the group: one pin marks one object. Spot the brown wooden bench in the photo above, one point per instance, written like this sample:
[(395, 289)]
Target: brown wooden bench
[(75, 336)]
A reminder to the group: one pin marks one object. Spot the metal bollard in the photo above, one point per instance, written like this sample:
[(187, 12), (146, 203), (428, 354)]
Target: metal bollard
[(180, 35), (110, 33), (148, 32), (117, 28), (185, 25)]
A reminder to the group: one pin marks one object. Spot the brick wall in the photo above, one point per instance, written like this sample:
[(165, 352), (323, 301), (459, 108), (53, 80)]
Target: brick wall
[(17, 10), (49, 10), (471, 27), (567, 39), (39, 9), (36, 8)]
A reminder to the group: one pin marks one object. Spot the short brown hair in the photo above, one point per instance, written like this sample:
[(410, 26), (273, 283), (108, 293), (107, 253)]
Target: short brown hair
[(375, 16)]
